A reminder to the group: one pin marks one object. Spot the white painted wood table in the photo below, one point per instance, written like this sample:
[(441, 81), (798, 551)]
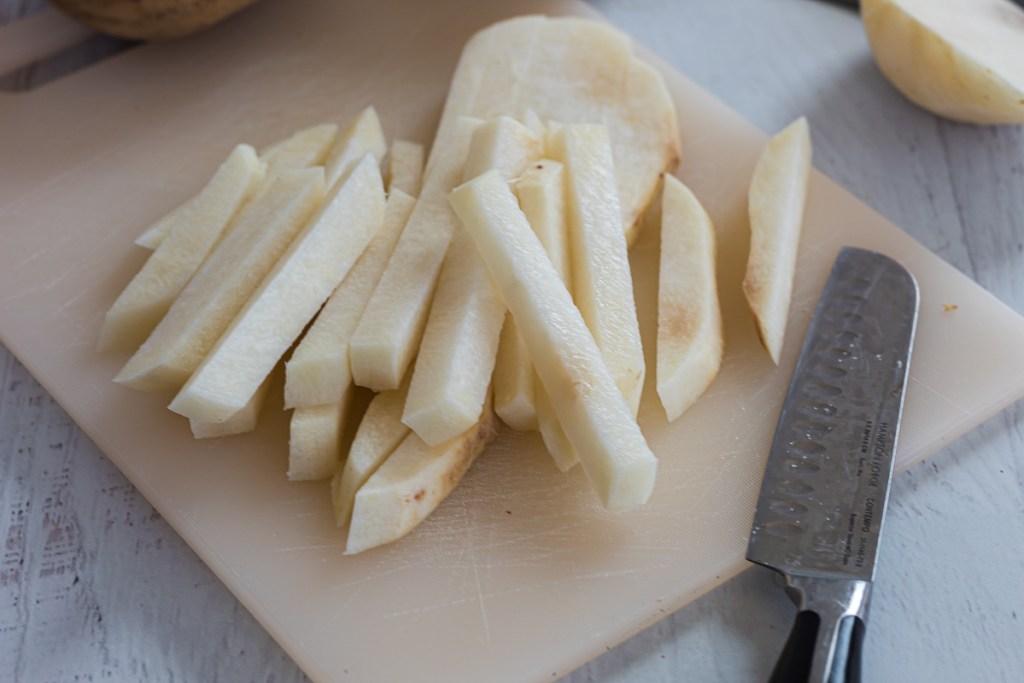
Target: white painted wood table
[(95, 586)]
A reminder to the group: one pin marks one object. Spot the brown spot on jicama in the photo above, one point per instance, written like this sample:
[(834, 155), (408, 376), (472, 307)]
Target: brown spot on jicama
[(751, 287), (680, 322), (483, 435), (419, 494)]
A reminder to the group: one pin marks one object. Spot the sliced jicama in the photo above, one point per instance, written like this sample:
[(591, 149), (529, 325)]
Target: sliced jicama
[(460, 343), (194, 233), (392, 324), (602, 282), (318, 370), (305, 148), (593, 412), (542, 198), (378, 435), (288, 298), (405, 167), (362, 136), (224, 282), (244, 420), (314, 443), (155, 234), (411, 483)]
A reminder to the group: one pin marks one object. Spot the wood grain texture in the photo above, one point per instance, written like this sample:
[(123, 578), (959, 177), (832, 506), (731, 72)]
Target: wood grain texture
[(95, 586)]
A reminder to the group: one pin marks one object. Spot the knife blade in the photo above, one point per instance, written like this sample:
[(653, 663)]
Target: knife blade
[(819, 516)]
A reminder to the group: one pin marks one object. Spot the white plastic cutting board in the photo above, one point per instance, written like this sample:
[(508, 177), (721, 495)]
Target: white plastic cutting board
[(519, 575)]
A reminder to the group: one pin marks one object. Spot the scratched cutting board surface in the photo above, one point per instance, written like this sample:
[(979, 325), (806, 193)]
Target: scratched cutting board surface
[(519, 575)]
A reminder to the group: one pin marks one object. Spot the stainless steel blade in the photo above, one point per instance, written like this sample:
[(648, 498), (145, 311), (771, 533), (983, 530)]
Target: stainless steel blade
[(827, 479)]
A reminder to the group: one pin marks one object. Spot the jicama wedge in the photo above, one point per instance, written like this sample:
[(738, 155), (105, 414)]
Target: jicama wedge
[(244, 420), (460, 343), (778, 193), (314, 442), (690, 345), (379, 434), (151, 292), (602, 283), (411, 483), (362, 136), (224, 282), (391, 327), (593, 412), (287, 299), (405, 167), (318, 371), (542, 198)]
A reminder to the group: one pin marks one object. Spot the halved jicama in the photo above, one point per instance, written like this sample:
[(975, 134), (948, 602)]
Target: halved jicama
[(287, 299), (196, 230), (221, 286), (405, 167), (778, 193), (379, 434), (593, 412), (362, 136), (318, 371), (460, 343), (690, 341), (602, 283), (389, 332), (575, 71), (244, 420), (411, 483), (314, 441), (963, 59), (541, 194)]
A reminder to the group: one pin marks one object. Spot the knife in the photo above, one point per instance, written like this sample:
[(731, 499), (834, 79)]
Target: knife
[(855, 4), (819, 516)]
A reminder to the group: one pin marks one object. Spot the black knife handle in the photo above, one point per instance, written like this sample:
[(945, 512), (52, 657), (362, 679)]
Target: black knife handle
[(852, 4), (794, 665), (826, 641), (855, 4)]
